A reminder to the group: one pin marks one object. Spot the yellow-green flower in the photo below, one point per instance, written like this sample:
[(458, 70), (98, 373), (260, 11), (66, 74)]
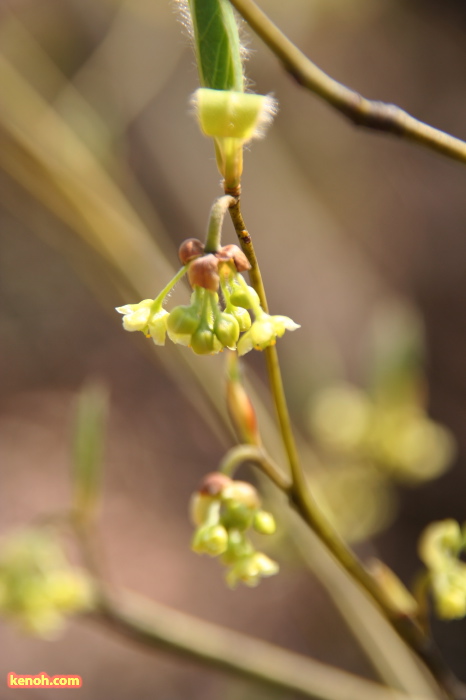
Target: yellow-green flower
[(142, 317), (264, 332), (250, 570)]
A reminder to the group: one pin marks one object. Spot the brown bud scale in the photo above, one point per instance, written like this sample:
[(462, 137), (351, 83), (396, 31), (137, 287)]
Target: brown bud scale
[(203, 272), (190, 248), (234, 253), (213, 484)]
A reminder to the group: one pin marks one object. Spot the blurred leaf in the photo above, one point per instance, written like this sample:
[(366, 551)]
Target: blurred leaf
[(396, 353), (88, 449)]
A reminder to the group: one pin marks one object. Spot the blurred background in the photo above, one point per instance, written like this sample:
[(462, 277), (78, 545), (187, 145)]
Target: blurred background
[(103, 172)]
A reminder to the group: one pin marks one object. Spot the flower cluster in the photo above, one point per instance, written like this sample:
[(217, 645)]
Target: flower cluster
[(38, 587), (440, 547), (223, 511), (206, 325), (397, 436)]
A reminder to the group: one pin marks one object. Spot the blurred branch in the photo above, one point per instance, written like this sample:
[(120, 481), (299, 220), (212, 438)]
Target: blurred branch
[(371, 114), (159, 627)]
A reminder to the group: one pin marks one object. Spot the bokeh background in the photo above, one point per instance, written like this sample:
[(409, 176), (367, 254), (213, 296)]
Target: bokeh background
[(103, 172)]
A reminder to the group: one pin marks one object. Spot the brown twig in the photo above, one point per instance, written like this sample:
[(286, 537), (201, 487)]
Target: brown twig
[(371, 114)]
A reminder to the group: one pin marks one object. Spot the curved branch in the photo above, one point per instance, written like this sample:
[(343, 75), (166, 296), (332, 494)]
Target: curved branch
[(257, 455), (371, 114), (159, 627)]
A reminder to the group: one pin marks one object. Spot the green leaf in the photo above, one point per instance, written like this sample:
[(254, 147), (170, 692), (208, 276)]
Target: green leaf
[(88, 449), (217, 43)]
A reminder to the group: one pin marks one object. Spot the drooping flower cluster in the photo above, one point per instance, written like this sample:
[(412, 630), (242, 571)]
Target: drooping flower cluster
[(39, 588), (224, 511), (206, 326), (440, 547)]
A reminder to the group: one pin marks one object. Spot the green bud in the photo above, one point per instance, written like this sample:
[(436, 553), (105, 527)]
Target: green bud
[(183, 320), (245, 297), (204, 342), (264, 523), (227, 330), (242, 316), (237, 516)]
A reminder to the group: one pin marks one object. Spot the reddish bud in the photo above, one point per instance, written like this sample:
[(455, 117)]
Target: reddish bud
[(203, 272), (242, 413), (190, 248), (234, 253), (213, 484)]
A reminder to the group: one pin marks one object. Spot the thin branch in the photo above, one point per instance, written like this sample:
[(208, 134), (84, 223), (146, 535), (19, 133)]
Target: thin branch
[(257, 455), (307, 507), (371, 114), (163, 628)]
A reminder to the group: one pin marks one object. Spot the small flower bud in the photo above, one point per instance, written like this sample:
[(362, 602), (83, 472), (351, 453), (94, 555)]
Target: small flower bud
[(237, 516), (264, 523), (233, 253), (183, 320), (190, 249), (226, 329), (203, 272), (242, 316), (204, 342), (242, 492), (240, 409), (246, 298), (214, 483)]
